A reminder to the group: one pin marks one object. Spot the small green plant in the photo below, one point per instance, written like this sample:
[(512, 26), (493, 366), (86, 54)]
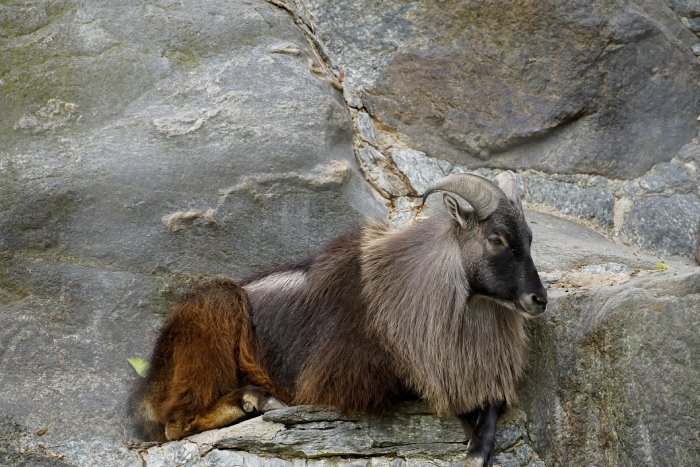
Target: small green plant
[(140, 365)]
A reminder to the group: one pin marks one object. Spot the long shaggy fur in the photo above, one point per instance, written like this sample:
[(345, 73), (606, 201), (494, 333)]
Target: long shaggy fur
[(458, 354)]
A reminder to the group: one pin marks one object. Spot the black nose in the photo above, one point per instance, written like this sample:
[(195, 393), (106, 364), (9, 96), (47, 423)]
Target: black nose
[(539, 300), (535, 303)]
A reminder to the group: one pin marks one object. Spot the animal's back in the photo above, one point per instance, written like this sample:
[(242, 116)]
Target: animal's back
[(310, 323)]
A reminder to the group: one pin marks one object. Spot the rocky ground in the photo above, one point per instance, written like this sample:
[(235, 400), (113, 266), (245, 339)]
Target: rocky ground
[(147, 147), (306, 436)]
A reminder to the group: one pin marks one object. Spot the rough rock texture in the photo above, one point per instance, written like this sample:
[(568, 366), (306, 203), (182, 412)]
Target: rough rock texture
[(664, 222), (148, 147), (605, 87), (612, 374), (308, 436), (615, 375), (243, 132), (600, 87), (397, 172), (141, 148), (591, 201)]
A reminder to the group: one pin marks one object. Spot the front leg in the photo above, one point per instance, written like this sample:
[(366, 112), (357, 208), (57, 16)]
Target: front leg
[(480, 447)]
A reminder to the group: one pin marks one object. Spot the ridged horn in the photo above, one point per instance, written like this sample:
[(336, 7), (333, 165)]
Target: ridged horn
[(481, 193)]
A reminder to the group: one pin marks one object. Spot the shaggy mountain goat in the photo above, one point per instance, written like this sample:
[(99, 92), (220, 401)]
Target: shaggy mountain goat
[(435, 310)]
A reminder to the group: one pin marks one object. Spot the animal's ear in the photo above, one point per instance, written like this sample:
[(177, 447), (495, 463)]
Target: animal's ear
[(512, 186), (455, 210)]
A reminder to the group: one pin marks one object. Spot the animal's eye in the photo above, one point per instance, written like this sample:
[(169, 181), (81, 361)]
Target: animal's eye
[(495, 240)]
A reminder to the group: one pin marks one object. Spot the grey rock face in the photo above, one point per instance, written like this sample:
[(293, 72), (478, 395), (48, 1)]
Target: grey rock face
[(668, 223), (694, 25), (142, 147), (596, 88), (420, 170), (690, 152), (586, 202), (652, 183), (66, 332), (687, 8), (189, 116), (613, 368), (675, 177)]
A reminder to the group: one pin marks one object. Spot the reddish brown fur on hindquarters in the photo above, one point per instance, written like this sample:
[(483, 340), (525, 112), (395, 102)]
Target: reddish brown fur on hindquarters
[(203, 353)]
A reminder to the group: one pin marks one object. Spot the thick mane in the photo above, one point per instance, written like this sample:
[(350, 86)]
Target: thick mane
[(455, 352)]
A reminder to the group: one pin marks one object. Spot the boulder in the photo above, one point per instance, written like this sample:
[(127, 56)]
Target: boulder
[(613, 376), (604, 87), (146, 147)]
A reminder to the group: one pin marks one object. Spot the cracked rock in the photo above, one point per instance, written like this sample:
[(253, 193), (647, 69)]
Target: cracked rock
[(571, 81), (666, 224), (377, 171), (420, 170), (590, 203)]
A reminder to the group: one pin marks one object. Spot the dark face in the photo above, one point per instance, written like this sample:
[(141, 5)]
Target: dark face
[(504, 270)]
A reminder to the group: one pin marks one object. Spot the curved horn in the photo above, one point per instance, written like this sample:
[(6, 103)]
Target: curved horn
[(481, 193)]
